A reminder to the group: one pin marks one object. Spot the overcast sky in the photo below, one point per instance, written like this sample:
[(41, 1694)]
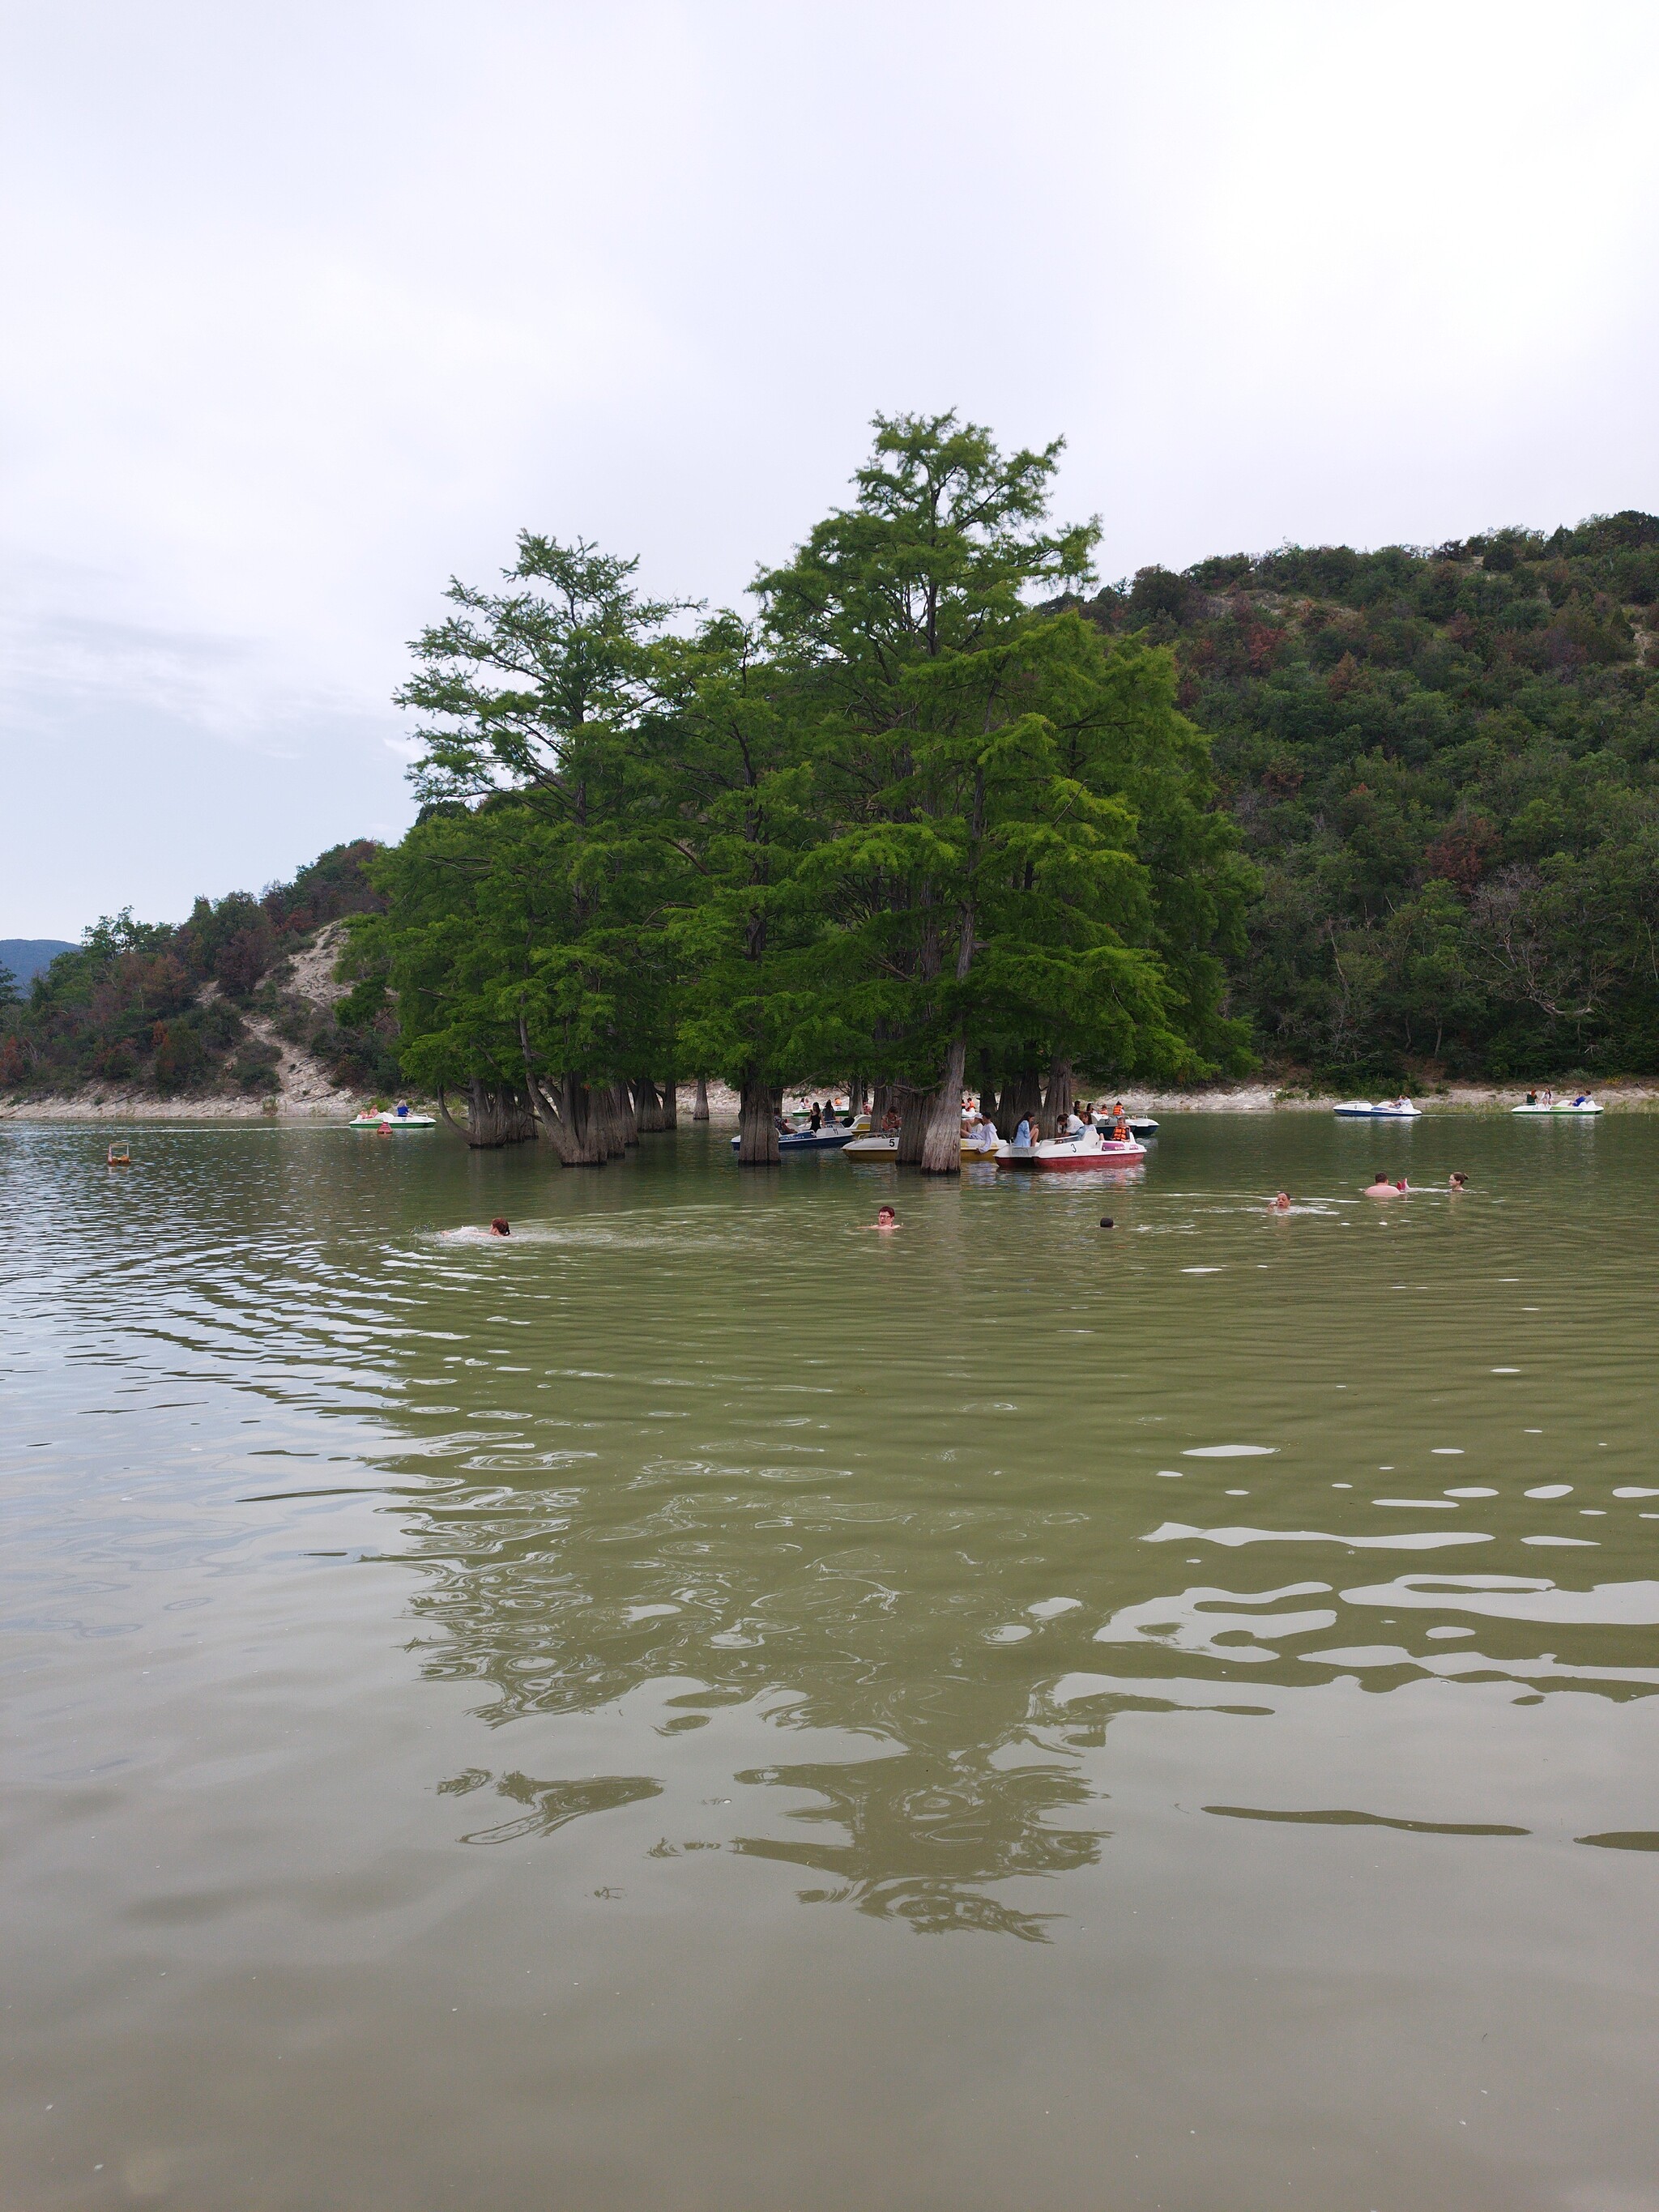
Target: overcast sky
[(308, 308)]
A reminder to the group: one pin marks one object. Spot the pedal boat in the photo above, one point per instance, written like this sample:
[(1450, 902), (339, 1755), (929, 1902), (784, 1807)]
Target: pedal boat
[(1361, 1109), (811, 1140), (1091, 1149), (1572, 1106), (393, 1122)]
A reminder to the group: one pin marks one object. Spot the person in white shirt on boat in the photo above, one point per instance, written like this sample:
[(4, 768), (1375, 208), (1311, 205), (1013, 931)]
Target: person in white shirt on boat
[(1073, 1125)]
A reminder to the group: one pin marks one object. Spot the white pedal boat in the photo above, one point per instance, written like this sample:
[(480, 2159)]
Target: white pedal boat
[(393, 1121), (811, 1140), (885, 1147), (1581, 1105), (1388, 1109), (1091, 1149)]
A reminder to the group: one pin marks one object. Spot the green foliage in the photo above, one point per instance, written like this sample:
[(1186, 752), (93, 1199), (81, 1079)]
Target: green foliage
[(151, 1005), (1445, 764), (904, 812)]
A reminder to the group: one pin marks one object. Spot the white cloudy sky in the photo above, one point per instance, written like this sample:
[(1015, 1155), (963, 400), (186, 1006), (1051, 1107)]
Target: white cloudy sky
[(308, 307)]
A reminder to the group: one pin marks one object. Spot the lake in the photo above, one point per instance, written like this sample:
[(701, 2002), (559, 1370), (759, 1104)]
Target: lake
[(699, 1706)]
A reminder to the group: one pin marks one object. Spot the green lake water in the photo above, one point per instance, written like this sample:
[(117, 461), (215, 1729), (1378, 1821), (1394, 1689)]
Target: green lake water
[(702, 1706)]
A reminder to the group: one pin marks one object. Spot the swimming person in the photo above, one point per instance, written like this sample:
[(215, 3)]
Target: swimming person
[(885, 1219), (498, 1227), (1456, 1181), (1282, 1203), (1106, 1222), (1380, 1187)]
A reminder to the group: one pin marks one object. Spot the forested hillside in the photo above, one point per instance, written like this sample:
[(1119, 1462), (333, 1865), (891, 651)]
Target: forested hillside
[(1366, 817), (1446, 765), (196, 1009)]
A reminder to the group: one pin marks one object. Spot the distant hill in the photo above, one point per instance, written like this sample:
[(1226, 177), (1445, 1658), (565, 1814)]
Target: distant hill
[(201, 1007), (26, 956), (1445, 762)]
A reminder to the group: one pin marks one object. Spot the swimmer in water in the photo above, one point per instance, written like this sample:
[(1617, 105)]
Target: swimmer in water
[(1106, 1222), (1281, 1203), (1380, 1187), (498, 1227), (1455, 1181), (886, 1220)]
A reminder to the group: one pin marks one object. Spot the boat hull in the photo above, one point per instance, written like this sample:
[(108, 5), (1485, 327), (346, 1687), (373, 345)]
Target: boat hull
[(1358, 1113), (826, 1140), (1558, 1113), (1068, 1154), (393, 1122), (886, 1148)]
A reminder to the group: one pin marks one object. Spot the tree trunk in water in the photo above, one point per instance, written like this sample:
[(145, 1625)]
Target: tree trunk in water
[(880, 1099), (699, 1111), (941, 1150), (1058, 1103), (547, 1121), (647, 1107), (917, 1110), (613, 1109), (671, 1106), (497, 1114), (757, 1124), (580, 1135)]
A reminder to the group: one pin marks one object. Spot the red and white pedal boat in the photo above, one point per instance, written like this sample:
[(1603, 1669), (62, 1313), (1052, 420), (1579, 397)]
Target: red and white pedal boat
[(1091, 1149)]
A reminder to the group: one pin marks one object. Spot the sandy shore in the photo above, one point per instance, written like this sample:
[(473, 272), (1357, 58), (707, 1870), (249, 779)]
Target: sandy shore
[(1635, 1095)]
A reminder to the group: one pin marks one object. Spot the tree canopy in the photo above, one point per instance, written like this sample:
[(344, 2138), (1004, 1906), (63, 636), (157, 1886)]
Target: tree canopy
[(902, 818)]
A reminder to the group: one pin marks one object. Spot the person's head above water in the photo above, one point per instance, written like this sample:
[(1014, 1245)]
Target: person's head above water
[(885, 1218), (498, 1226), (1106, 1221), (1459, 1182)]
